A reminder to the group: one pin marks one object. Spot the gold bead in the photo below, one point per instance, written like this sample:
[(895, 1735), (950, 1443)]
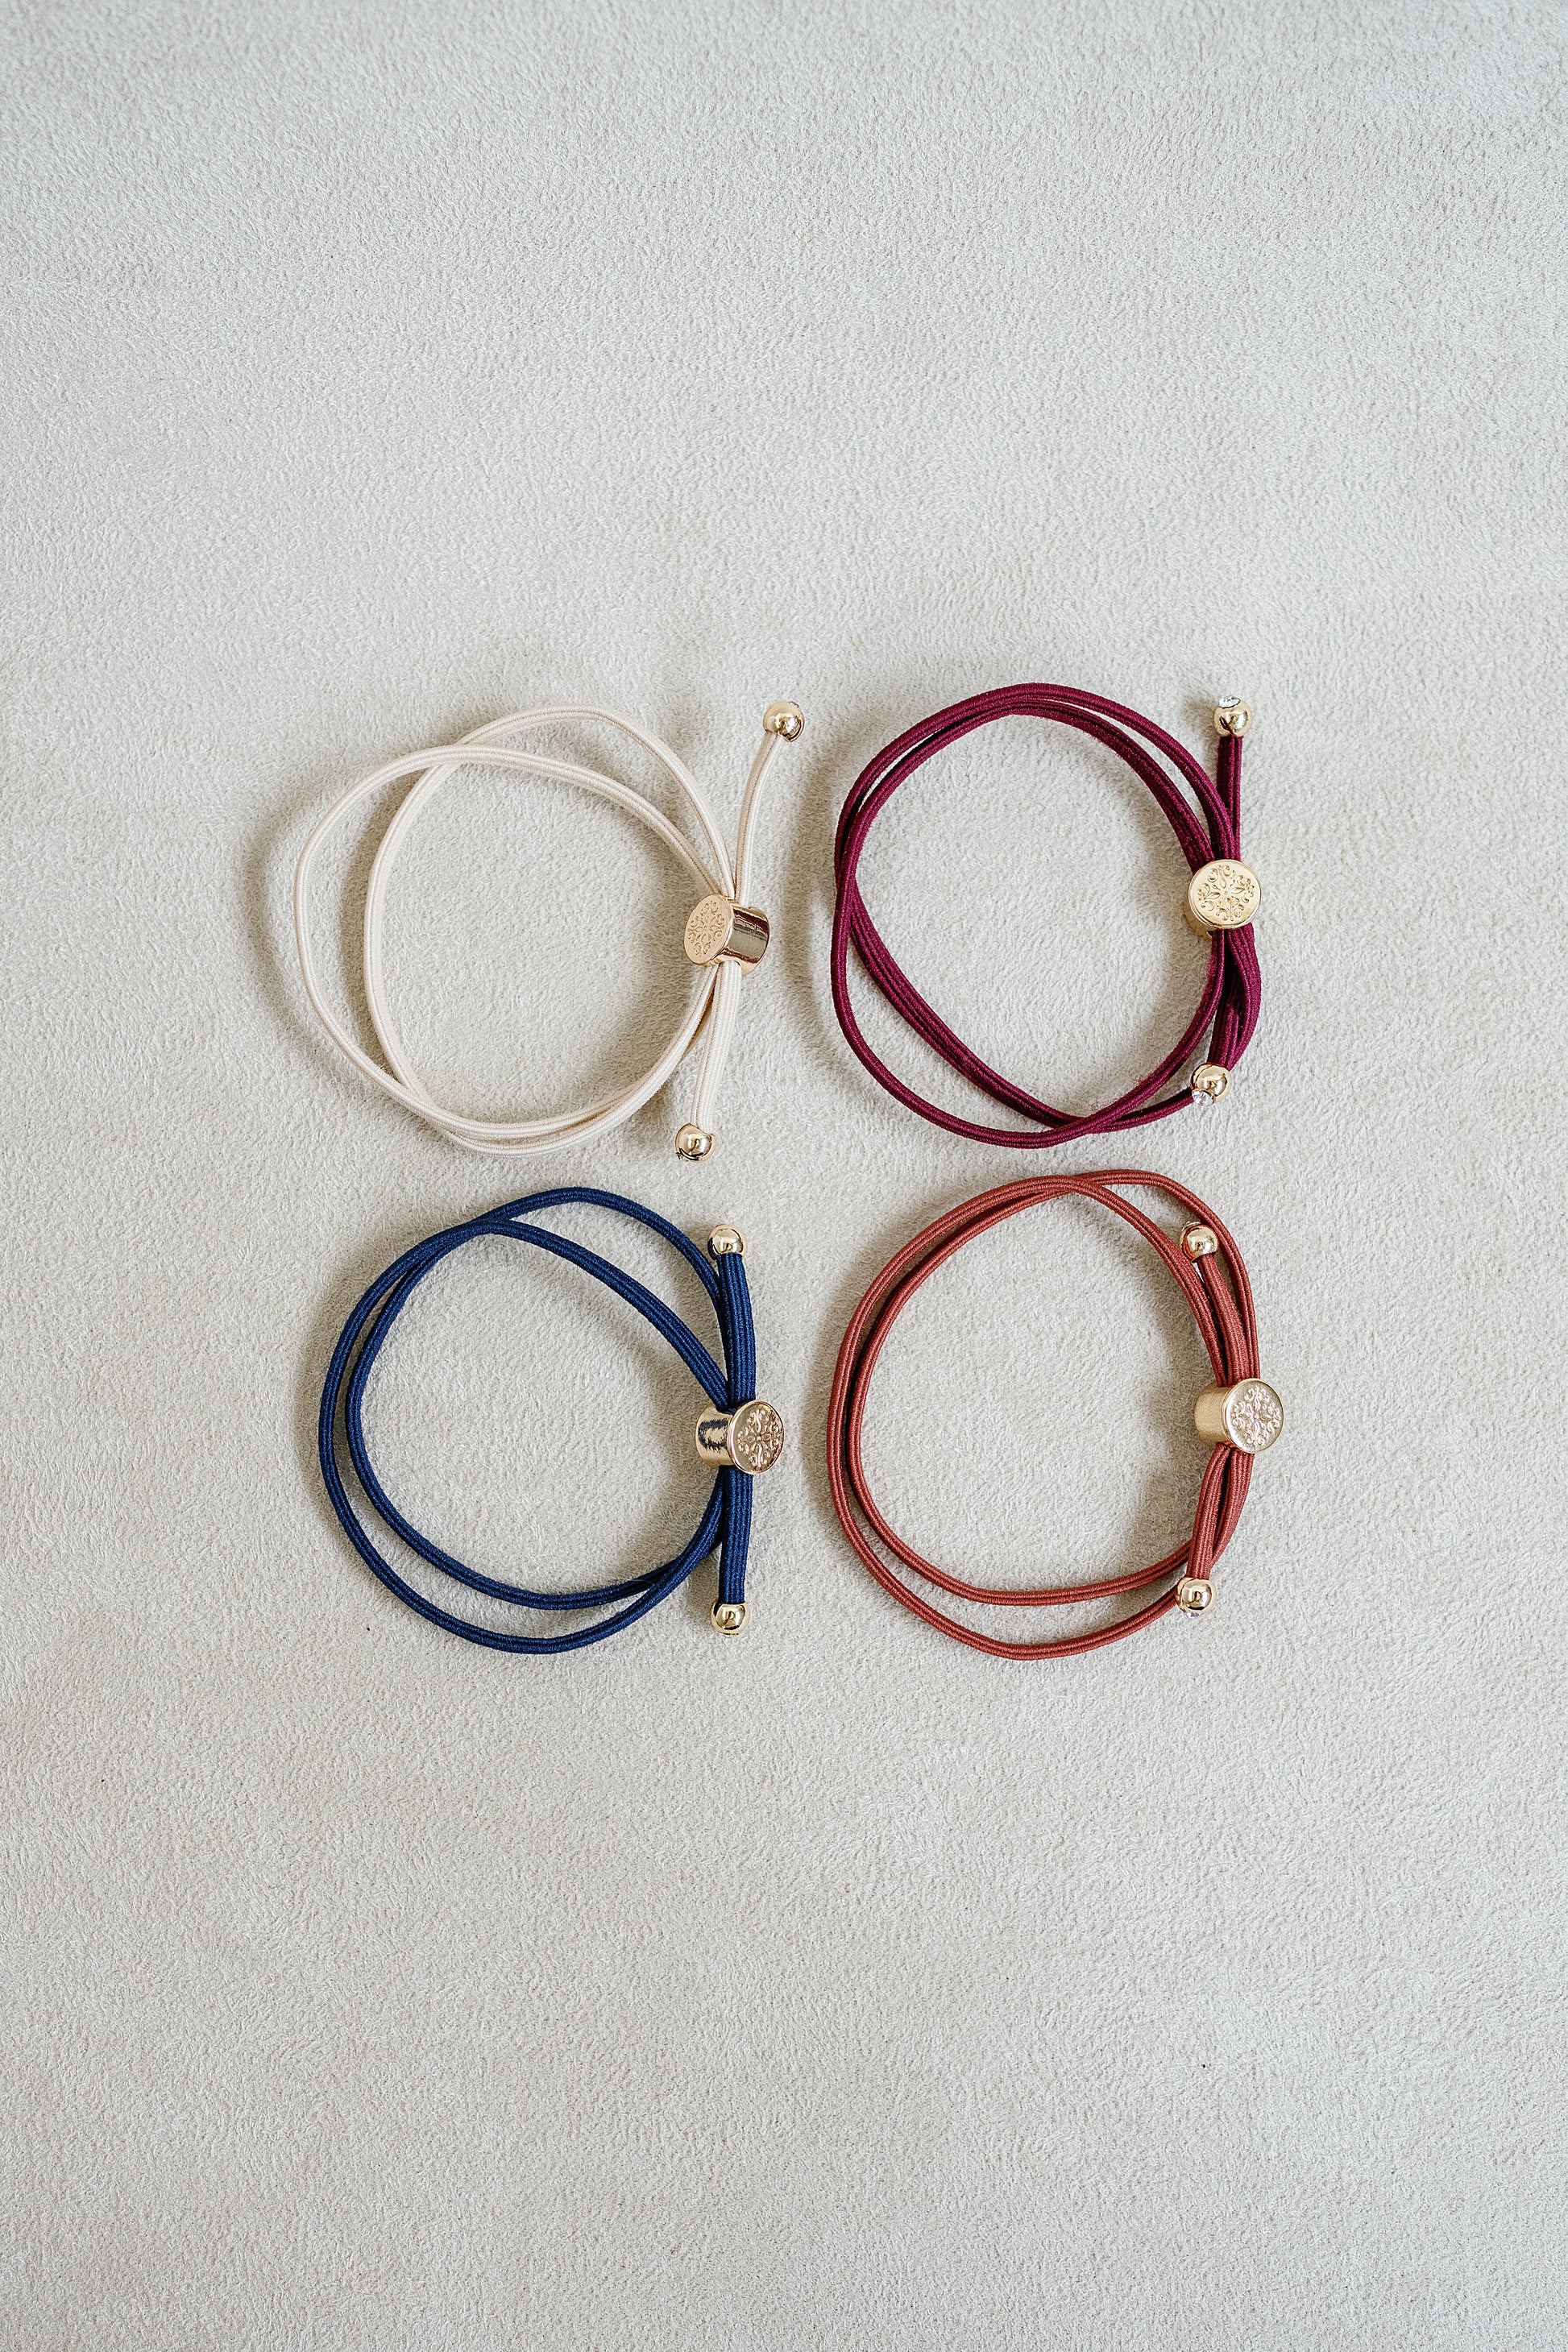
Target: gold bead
[(785, 718), (1232, 716), (730, 1616), (692, 1143), (1248, 1415), (1193, 1595), (1211, 1082), (718, 931), (751, 1438), (1222, 896), (726, 1241), (1199, 1240)]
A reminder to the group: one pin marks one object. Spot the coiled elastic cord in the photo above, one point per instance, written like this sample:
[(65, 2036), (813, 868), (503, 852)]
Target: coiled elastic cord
[(718, 998), (1230, 994), (1222, 1308), (725, 1524)]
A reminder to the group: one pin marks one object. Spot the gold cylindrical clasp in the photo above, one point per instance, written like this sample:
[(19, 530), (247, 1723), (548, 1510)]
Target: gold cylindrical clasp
[(750, 1439), (1248, 1416), (718, 931), (1222, 896)]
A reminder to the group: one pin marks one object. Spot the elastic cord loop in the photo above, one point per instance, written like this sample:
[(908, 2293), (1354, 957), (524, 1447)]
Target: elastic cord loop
[(1228, 1007), (1215, 1288), (726, 1521), (711, 1015)]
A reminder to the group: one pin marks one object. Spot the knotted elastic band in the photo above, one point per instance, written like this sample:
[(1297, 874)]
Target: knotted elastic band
[(1220, 900), (714, 1012), (1239, 1415), (740, 1431)]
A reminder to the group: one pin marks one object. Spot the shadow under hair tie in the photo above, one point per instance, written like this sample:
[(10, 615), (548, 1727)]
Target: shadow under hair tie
[(725, 936), (739, 1437), (1239, 1414), (1222, 897)]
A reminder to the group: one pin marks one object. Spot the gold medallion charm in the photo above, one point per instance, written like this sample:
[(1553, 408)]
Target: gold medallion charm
[(1248, 1416), (1222, 896), (718, 931), (750, 1439), (1211, 1082)]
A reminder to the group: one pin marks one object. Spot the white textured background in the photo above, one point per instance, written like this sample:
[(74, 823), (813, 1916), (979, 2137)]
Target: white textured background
[(370, 370)]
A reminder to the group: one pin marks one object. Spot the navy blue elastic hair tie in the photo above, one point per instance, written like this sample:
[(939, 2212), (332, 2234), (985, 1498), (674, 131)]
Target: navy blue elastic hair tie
[(726, 1522)]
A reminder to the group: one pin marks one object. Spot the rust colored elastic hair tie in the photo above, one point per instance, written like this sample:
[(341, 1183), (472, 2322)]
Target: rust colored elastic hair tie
[(1239, 1415), (1222, 897)]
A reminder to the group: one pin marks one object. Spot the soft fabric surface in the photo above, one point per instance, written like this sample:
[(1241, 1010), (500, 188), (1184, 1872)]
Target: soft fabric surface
[(372, 371)]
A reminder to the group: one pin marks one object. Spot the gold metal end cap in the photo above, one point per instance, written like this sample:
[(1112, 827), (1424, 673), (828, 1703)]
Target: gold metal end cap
[(1211, 1082), (1193, 1595), (1248, 1415), (692, 1143), (726, 1241), (1231, 715), (730, 1616), (751, 1438), (1222, 896), (1199, 1240), (785, 718), (718, 931)]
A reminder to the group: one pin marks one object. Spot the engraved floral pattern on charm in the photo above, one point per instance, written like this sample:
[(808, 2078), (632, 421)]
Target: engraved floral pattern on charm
[(708, 928), (1254, 1416), (757, 1437), (1224, 896)]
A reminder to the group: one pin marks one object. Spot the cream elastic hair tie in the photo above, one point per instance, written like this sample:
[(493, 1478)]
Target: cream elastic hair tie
[(725, 936)]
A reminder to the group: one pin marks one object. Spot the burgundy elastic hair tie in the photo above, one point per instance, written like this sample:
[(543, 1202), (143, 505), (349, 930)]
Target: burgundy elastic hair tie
[(1221, 898), (1239, 1414)]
